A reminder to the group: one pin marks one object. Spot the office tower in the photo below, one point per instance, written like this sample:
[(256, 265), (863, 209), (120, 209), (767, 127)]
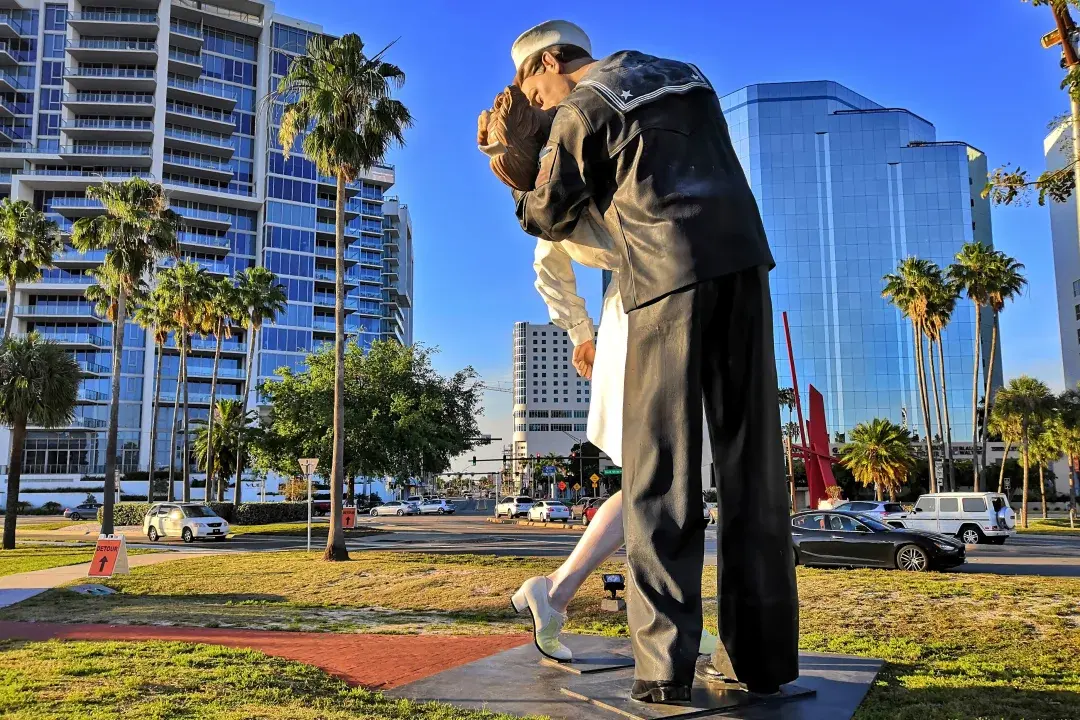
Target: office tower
[(1063, 227), (847, 189), (175, 91)]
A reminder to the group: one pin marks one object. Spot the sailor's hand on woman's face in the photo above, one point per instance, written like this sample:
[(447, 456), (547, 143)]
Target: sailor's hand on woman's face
[(584, 356)]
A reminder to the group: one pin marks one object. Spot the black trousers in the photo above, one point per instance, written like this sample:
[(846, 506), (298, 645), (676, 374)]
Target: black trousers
[(711, 340)]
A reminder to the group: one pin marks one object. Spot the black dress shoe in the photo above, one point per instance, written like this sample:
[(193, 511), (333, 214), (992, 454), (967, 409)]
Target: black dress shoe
[(707, 672), (764, 691), (660, 691)]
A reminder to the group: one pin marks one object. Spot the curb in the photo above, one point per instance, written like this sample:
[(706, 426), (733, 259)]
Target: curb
[(572, 526)]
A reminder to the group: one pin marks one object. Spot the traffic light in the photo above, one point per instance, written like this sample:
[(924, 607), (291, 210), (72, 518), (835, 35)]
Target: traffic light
[(473, 459)]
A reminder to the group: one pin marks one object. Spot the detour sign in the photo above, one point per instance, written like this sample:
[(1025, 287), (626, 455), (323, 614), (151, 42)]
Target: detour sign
[(110, 557), (348, 518)]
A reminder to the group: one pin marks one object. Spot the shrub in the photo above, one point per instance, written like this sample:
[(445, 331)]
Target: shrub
[(131, 513), (54, 490), (125, 513), (51, 508)]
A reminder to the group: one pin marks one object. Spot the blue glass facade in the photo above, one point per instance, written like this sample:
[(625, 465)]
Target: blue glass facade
[(847, 189)]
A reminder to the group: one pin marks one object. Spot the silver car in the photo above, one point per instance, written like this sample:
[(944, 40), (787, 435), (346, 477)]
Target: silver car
[(884, 511), (396, 507)]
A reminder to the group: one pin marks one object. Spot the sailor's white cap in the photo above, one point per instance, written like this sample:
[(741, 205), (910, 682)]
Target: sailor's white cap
[(546, 34)]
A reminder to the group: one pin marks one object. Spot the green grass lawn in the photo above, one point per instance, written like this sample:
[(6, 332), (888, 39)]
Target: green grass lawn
[(955, 645), (163, 681), (51, 525), (1050, 526), (25, 558)]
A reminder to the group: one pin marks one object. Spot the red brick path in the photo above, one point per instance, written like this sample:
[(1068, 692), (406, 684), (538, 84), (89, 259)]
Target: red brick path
[(373, 661)]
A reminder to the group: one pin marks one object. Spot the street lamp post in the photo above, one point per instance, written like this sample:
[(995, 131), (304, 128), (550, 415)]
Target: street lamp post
[(308, 467), (580, 457)]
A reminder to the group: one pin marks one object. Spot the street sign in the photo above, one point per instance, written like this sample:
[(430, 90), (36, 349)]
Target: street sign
[(562, 485), (348, 518), (1008, 485), (594, 477), (577, 486), (549, 471), (612, 471), (595, 483), (110, 557), (1051, 39)]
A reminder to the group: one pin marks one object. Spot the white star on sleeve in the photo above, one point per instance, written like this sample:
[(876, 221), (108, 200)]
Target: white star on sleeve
[(626, 95)]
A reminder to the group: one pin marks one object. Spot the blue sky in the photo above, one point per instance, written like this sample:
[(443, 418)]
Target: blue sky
[(973, 68)]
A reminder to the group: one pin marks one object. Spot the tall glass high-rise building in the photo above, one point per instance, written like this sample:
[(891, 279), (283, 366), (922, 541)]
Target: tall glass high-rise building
[(847, 189), (173, 90)]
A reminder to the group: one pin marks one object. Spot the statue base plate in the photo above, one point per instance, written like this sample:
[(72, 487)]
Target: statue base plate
[(591, 655)]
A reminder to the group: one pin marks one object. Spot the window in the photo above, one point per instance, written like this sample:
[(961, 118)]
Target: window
[(859, 506), (842, 523), (1078, 312), (926, 504), (809, 522), (949, 505), (973, 505), (1076, 288)]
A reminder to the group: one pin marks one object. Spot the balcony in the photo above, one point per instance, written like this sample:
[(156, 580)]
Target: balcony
[(7, 109), (201, 242), (244, 23), (327, 300), (113, 50), (224, 373), (104, 128), (90, 368), (204, 166), (185, 62), (76, 206), (93, 396), (196, 398), (74, 339), (63, 277), (328, 206), (12, 27), (214, 267), (130, 153), (9, 82), (7, 55), (73, 310), (390, 274), (120, 23), (88, 423), (206, 218), (201, 344), (200, 142), (323, 324), (202, 92), (352, 255), (330, 229), (185, 34), (200, 117), (328, 276), (111, 78), (110, 103)]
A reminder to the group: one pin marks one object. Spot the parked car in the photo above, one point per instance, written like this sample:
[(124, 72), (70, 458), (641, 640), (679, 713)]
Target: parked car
[(830, 537), (890, 513), (590, 509), (188, 521), (417, 499), (578, 508), (437, 506), (983, 517), (511, 506), (708, 510), (549, 511), (396, 507), (82, 512)]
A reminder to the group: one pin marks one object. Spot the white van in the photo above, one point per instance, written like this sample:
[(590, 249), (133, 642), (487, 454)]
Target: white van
[(972, 517)]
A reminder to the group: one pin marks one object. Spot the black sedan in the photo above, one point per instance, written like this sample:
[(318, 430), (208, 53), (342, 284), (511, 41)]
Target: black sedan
[(849, 539)]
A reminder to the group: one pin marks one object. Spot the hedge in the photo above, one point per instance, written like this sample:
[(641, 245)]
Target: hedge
[(132, 513)]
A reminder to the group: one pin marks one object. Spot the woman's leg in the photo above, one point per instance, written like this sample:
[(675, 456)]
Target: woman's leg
[(601, 539)]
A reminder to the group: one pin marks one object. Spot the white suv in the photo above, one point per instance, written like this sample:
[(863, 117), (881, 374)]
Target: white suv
[(972, 517), (511, 506), (189, 521)]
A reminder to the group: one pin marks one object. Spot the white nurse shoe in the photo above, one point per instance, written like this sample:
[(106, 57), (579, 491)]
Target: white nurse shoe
[(547, 623)]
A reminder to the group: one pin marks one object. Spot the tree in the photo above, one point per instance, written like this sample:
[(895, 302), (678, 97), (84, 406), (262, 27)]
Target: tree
[(136, 230), (1006, 426), (1069, 441), (217, 317), (1044, 450), (261, 298), (340, 102), (1029, 403), (217, 450), (1007, 185), (1005, 282), (184, 290), (154, 316), (400, 414), (942, 301), (879, 454), (39, 385), (28, 241), (910, 289), (972, 273)]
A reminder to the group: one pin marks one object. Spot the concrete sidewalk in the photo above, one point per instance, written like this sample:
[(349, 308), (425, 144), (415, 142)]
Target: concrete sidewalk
[(22, 586)]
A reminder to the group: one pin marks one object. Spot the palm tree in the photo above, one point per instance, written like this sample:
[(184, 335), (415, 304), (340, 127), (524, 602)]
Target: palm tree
[(910, 289), (1007, 426), (28, 241), (261, 298), (39, 384), (879, 454), (1045, 449), (217, 450), (153, 315), (339, 100), (217, 317), (184, 289), (1029, 403), (1069, 441), (1005, 283), (972, 274), (943, 296), (136, 230)]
